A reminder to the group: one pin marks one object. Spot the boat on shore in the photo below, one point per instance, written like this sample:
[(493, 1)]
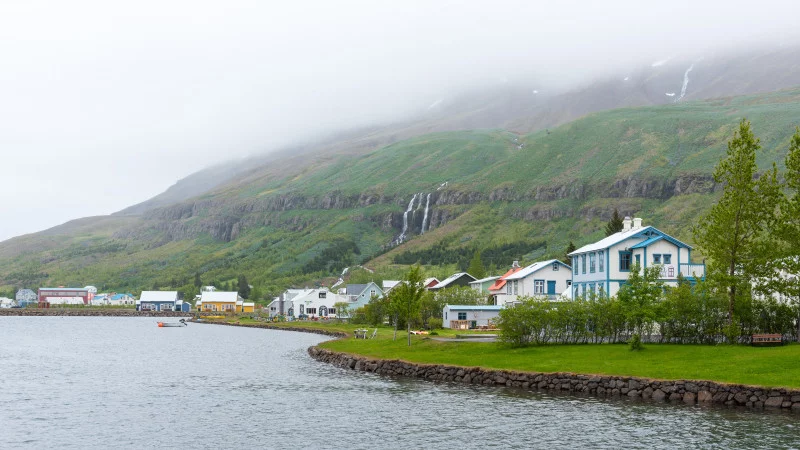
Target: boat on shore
[(181, 323)]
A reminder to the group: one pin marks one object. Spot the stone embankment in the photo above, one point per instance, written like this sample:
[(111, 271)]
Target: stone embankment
[(690, 392), (90, 312)]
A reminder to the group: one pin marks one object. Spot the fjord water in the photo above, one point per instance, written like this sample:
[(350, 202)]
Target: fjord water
[(81, 382)]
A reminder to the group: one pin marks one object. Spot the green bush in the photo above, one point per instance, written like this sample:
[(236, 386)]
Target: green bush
[(635, 343)]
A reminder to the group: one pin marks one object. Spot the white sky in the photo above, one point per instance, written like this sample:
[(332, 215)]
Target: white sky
[(104, 104)]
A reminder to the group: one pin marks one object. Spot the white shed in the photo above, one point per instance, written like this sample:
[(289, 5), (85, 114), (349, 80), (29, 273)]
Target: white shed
[(465, 317)]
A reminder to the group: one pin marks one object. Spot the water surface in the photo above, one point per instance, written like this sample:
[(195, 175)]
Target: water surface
[(99, 382)]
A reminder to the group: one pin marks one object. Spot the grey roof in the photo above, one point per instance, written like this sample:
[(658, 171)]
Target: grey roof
[(535, 267), (484, 280), (355, 289), (444, 283), (474, 307)]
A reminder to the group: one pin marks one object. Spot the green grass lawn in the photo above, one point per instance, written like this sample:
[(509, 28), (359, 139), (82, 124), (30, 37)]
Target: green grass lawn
[(764, 366)]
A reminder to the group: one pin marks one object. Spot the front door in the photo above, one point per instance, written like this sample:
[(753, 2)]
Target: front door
[(551, 288)]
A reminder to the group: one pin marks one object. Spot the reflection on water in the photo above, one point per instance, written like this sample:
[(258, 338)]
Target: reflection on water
[(86, 382)]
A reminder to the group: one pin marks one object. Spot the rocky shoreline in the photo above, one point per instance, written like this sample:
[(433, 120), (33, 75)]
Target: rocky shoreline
[(685, 391)]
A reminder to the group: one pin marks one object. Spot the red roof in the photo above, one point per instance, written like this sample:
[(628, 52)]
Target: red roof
[(500, 282)]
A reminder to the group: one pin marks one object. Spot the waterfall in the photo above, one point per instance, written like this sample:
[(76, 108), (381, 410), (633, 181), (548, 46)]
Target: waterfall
[(685, 82), (402, 236), (425, 216)]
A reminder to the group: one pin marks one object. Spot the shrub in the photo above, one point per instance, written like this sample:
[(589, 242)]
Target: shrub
[(635, 343)]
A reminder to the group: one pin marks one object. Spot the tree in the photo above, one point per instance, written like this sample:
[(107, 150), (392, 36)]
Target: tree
[(568, 259), (476, 266), (405, 298), (615, 224), (197, 282), (782, 273), (342, 309), (243, 287), (729, 233), (639, 297)]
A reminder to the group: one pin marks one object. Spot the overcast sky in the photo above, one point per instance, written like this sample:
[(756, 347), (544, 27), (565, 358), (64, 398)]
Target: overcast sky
[(104, 104)]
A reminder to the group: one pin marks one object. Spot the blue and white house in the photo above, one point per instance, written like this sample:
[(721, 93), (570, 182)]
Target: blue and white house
[(360, 294), (161, 301), (551, 279), (603, 267)]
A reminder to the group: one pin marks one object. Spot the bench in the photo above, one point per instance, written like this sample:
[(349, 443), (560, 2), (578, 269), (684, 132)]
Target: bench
[(766, 339)]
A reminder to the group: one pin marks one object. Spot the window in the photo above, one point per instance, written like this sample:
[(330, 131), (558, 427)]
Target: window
[(592, 258), (272, 308), (508, 288), (372, 293), (515, 287), (625, 261), (302, 309), (538, 287), (555, 267), (462, 316), (311, 310), (639, 260), (656, 258), (575, 265), (583, 263), (667, 259), (575, 291), (600, 260), (331, 310), (445, 315), (601, 290), (322, 294)]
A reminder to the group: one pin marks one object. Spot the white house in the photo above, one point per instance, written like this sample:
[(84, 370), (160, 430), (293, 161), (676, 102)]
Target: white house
[(604, 266), (6, 302), (315, 303), (157, 301), (549, 279), (463, 317)]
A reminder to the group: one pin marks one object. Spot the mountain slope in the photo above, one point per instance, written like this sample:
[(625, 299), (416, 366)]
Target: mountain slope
[(306, 218)]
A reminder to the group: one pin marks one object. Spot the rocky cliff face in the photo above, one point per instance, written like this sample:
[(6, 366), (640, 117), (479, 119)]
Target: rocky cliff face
[(225, 220)]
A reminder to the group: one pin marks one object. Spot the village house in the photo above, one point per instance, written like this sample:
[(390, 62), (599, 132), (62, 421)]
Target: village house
[(551, 279), (604, 266), (112, 300), (281, 304), (501, 289), (225, 302), (161, 301), (358, 295), (457, 279), (315, 303), (483, 284), (465, 317)]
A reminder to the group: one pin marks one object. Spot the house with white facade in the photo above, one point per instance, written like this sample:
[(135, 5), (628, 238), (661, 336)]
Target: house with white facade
[(157, 301), (315, 303), (280, 305), (551, 279), (465, 317), (604, 266), (500, 289)]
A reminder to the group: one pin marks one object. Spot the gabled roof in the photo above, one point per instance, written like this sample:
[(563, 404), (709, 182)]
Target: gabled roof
[(120, 296), (219, 297), (502, 281), (158, 296), (618, 237), (484, 280), (428, 281), (444, 283), (355, 289), (535, 267), (389, 284)]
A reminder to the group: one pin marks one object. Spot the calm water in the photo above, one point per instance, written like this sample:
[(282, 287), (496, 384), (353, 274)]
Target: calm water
[(123, 382)]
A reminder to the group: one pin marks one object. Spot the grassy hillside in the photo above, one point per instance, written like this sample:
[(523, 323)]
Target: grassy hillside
[(302, 219)]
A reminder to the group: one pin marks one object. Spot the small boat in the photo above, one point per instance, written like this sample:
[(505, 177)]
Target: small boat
[(181, 323)]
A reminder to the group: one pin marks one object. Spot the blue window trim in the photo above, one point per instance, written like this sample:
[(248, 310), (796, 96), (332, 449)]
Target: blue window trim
[(592, 262), (667, 258), (583, 264), (656, 258), (574, 265), (600, 265), (630, 263), (543, 287)]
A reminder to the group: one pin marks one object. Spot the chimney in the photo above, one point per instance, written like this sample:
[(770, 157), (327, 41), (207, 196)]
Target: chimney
[(626, 223), (515, 265), (637, 222)]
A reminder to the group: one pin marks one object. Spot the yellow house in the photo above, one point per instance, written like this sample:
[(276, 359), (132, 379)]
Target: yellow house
[(226, 302)]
